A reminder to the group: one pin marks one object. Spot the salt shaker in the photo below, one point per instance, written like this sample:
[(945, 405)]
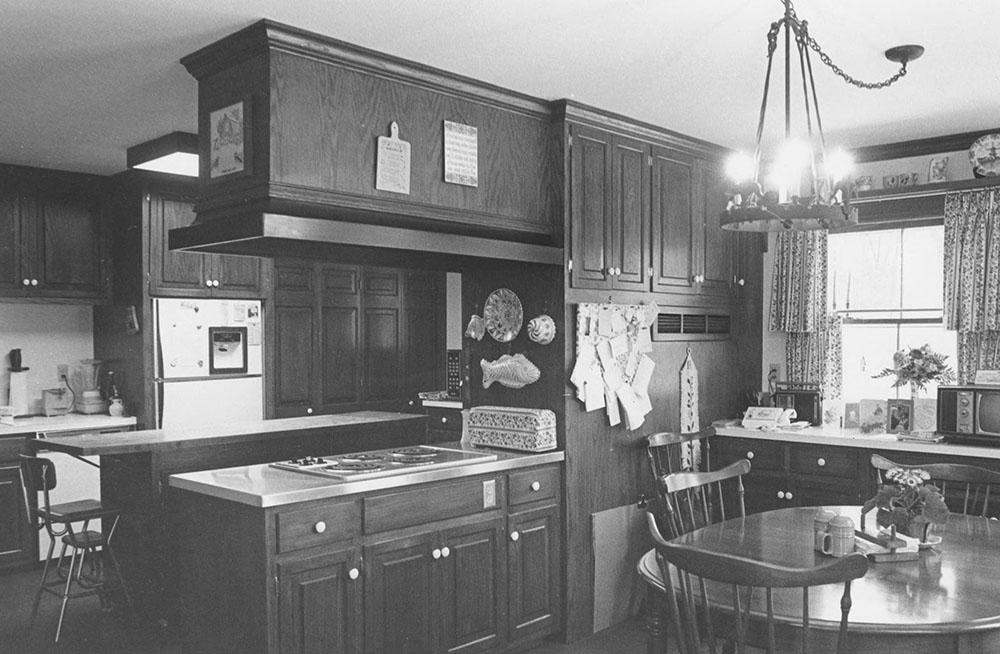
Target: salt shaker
[(820, 521)]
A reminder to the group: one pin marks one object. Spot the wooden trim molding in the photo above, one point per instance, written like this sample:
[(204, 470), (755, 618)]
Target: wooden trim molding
[(918, 147)]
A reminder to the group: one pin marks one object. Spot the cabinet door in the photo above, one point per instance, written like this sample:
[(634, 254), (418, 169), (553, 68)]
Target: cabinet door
[(320, 603), (295, 368), (237, 277), (472, 589), (715, 251), (68, 247), (382, 334), (748, 274), (11, 246), (173, 272), (533, 563), (591, 242), (673, 227), (340, 343), (400, 607), (16, 540), (630, 215)]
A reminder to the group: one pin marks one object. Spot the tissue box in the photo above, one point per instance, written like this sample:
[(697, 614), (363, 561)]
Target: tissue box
[(512, 428)]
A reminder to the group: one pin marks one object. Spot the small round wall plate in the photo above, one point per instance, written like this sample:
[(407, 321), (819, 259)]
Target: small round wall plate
[(984, 155), (503, 315)]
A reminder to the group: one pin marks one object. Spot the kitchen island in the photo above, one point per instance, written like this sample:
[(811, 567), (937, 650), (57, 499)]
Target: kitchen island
[(827, 465), (467, 556), (135, 466)]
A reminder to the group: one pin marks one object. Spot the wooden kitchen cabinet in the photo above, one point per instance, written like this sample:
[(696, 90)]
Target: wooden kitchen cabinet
[(17, 541), (532, 571), (54, 242), (175, 273), (350, 337), (320, 602)]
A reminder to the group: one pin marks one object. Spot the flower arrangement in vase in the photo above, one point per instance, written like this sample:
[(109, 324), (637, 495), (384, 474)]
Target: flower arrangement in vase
[(918, 367), (907, 502)]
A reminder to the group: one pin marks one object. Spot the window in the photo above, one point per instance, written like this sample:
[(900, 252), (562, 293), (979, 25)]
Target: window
[(888, 286)]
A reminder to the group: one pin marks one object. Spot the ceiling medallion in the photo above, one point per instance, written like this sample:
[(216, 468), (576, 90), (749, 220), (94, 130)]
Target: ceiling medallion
[(806, 187)]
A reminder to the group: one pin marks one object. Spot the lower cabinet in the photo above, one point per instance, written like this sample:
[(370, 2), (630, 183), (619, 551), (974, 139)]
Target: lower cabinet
[(17, 542), (472, 564), (319, 602)]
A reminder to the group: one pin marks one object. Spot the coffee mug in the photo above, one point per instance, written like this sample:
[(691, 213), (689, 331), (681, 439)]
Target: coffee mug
[(839, 539), (890, 181), (820, 523)]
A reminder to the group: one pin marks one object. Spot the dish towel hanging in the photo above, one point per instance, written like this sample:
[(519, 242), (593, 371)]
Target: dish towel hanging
[(690, 452)]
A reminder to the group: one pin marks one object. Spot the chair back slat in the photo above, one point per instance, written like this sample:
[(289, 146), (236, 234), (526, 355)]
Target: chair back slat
[(971, 486), (694, 499), (694, 568)]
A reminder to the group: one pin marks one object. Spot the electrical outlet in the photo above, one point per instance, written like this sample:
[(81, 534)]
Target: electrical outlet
[(63, 371)]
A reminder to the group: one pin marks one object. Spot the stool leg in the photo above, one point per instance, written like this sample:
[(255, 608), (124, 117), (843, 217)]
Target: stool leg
[(41, 586), (65, 596)]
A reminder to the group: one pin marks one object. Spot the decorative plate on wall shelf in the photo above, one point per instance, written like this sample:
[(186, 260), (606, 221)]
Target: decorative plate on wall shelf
[(503, 315), (984, 155)]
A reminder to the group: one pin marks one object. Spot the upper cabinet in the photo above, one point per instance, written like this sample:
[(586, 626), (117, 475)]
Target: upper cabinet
[(53, 238), (309, 111), (644, 208)]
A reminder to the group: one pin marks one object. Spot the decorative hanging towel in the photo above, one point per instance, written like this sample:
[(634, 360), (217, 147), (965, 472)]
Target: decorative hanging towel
[(690, 452)]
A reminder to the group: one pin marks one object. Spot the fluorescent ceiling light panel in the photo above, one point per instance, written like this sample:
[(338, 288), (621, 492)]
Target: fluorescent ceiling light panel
[(175, 163), (175, 153)]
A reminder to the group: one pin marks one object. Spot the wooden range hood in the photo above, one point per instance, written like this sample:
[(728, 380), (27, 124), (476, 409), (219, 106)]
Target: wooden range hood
[(313, 109)]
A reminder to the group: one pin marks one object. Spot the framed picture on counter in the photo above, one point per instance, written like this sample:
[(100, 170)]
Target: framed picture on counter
[(900, 416)]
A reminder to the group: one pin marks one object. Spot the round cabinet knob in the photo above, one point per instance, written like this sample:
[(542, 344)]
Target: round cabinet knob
[(443, 420), (309, 410), (26, 281), (34, 282), (821, 462), (445, 552), (742, 282), (215, 283), (963, 412), (411, 402), (781, 495), (749, 454), (319, 527), (353, 573), (788, 495), (618, 271), (436, 554), (514, 536), (964, 401), (208, 283), (535, 486)]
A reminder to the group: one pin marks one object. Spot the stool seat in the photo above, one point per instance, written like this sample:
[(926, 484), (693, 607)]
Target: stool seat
[(77, 511), (89, 538)]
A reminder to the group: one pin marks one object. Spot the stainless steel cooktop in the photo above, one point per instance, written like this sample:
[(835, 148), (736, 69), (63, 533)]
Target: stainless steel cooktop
[(383, 463)]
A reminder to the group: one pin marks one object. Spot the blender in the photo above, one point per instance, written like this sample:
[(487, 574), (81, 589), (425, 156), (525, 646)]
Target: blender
[(86, 376)]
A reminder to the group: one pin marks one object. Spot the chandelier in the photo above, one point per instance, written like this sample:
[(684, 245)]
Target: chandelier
[(806, 187)]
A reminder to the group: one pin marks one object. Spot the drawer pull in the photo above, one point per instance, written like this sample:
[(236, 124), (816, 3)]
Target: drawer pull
[(26, 281), (821, 462), (436, 554), (319, 527), (443, 420), (34, 282), (208, 283), (781, 495), (535, 486), (309, 410), (514, 535), (749, 454), (445, 552), (353, 573), (788, 495)]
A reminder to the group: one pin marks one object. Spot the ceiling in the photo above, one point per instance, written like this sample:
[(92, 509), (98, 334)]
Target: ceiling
[(82, 80)]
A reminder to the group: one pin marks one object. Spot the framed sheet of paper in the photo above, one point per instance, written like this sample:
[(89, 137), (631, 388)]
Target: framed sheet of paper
[(461, 154)]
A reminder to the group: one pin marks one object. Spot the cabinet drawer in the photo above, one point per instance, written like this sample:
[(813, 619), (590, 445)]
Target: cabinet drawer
[(444, 419), (824, 461), (533, 485), (763, 455), (317, 525), (432, 502)]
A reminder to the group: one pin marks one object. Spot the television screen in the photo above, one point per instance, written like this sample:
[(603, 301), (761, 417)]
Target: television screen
[(988, 412)]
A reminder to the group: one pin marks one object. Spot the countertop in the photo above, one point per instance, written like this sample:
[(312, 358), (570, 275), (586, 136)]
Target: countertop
[(71, 422), (826, 435), (150, 440), (264, 486)]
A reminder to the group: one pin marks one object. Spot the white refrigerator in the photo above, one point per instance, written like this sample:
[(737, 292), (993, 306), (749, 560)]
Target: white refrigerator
[(208, 362)]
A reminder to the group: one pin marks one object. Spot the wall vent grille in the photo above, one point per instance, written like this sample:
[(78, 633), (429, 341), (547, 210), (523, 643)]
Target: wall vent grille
[(689, 325)]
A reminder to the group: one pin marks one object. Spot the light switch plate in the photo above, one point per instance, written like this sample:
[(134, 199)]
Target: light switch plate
[(489, 494)]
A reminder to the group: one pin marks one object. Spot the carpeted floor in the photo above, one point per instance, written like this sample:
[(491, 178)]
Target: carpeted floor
[(88, 629)]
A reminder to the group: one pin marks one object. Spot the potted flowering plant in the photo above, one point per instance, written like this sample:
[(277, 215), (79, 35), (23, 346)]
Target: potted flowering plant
[(908, 502), (918, 367)]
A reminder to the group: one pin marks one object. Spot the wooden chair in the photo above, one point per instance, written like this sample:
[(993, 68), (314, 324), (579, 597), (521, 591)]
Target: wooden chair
[(694, 602), (669, 452), (38, 475), (965, 487)]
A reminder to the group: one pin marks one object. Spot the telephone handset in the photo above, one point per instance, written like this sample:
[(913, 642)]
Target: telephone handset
[(770, 417)]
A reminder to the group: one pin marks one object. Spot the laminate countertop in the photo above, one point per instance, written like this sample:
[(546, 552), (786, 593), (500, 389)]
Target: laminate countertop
[(826, 435), (264, 486), (158, 440), (70, 422)]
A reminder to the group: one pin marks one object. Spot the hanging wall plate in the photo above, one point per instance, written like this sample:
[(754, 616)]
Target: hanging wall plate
[(984, 155), (503, 315)]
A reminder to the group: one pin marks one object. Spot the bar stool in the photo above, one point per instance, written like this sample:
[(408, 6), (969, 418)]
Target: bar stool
[(38, 475)]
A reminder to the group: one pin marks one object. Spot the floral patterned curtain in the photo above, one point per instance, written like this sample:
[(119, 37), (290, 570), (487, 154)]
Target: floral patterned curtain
[(972, 278), (798, 307)]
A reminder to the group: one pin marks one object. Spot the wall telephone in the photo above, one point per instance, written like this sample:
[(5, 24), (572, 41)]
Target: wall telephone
[(770, 417)]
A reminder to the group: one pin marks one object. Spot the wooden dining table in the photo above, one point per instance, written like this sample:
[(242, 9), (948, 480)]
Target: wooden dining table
[(948, 600)]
